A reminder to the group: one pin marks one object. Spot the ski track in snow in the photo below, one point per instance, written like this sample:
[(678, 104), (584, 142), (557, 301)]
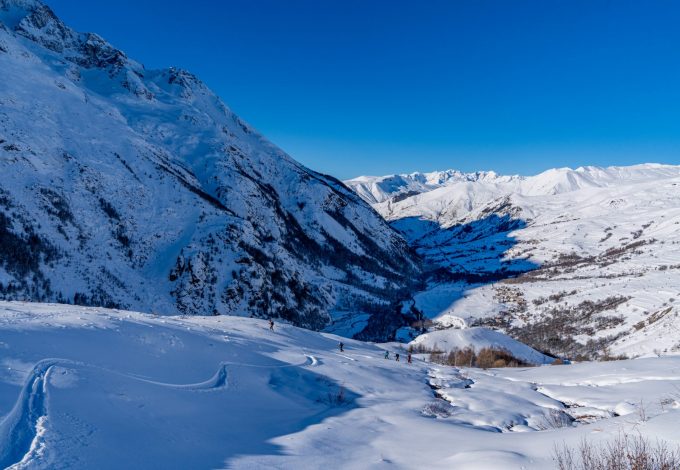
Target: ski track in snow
[(21, 429), (290, 399), (312, 361), (217, 381), (25, 424), (346, 357)]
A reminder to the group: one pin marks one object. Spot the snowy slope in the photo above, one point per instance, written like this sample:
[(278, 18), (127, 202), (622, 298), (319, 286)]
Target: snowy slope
[(139, 188), (575, 262), (96, 388), (476, 338)]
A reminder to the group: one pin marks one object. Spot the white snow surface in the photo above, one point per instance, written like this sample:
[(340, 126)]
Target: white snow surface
[(95, 388)]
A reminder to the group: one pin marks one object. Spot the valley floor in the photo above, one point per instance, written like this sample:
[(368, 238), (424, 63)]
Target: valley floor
[(96, 388)]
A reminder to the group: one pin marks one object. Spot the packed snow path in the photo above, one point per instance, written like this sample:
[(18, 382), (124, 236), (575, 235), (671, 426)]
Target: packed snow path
[(96, 388)]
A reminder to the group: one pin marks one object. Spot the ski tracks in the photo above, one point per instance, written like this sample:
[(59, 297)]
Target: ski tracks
[(216, 382), (22, 430)]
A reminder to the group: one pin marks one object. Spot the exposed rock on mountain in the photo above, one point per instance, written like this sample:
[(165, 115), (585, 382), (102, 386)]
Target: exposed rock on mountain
[(140, 189)]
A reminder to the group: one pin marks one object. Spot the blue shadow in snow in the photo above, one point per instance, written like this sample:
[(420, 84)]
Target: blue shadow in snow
[(473, 253)]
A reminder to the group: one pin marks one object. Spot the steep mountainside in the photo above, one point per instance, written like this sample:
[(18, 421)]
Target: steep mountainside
[(573, 262), (140, 189)]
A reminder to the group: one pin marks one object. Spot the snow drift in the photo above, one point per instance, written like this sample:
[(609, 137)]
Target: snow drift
[(477, 338)]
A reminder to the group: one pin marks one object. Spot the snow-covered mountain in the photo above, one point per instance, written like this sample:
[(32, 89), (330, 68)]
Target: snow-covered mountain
[(582, 261), (139, 188), (447, 196), (375, 189)]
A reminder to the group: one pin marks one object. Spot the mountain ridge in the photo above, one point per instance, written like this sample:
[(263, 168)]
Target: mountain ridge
[(139, 188), (377, 189)]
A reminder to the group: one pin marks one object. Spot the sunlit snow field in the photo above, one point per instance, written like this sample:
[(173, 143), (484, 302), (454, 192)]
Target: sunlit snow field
[(95, 388)]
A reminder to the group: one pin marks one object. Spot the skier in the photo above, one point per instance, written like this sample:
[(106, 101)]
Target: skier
[(387, 354), (397, 357), (271, 324), (409, 358), (342, 347)]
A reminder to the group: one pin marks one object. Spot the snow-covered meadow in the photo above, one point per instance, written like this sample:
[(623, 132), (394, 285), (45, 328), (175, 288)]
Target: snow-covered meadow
[(96, 388)]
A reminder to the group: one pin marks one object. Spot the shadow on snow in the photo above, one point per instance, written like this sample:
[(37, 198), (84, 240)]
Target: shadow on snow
[(472, 254)]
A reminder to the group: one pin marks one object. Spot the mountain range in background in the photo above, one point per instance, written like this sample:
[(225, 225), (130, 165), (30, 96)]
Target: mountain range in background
[(580, 262)]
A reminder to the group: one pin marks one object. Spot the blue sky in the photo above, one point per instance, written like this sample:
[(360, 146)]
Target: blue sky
[(377, 87)]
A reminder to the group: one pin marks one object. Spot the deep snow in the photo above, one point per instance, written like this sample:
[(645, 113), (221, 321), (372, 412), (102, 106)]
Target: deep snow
[(95, 388)]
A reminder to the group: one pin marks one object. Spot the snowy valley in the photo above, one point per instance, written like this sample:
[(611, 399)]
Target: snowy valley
[(147, 234), (578, 263)]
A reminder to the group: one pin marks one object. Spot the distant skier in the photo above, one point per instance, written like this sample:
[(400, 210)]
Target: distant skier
[(271, 324), (342, 346), (409, 358), (397, 357), (387, 354)]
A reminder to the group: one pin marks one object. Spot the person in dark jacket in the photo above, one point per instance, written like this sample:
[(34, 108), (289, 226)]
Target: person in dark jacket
[(397, 357), (342, 346), (271, 324)]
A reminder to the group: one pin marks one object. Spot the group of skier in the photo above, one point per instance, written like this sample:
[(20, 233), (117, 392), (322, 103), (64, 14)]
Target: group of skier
[(341, 346), (409, 358)]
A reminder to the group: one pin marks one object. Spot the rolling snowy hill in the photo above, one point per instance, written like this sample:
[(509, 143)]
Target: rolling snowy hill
[(136, 188), (574, 262), (96, 388)]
